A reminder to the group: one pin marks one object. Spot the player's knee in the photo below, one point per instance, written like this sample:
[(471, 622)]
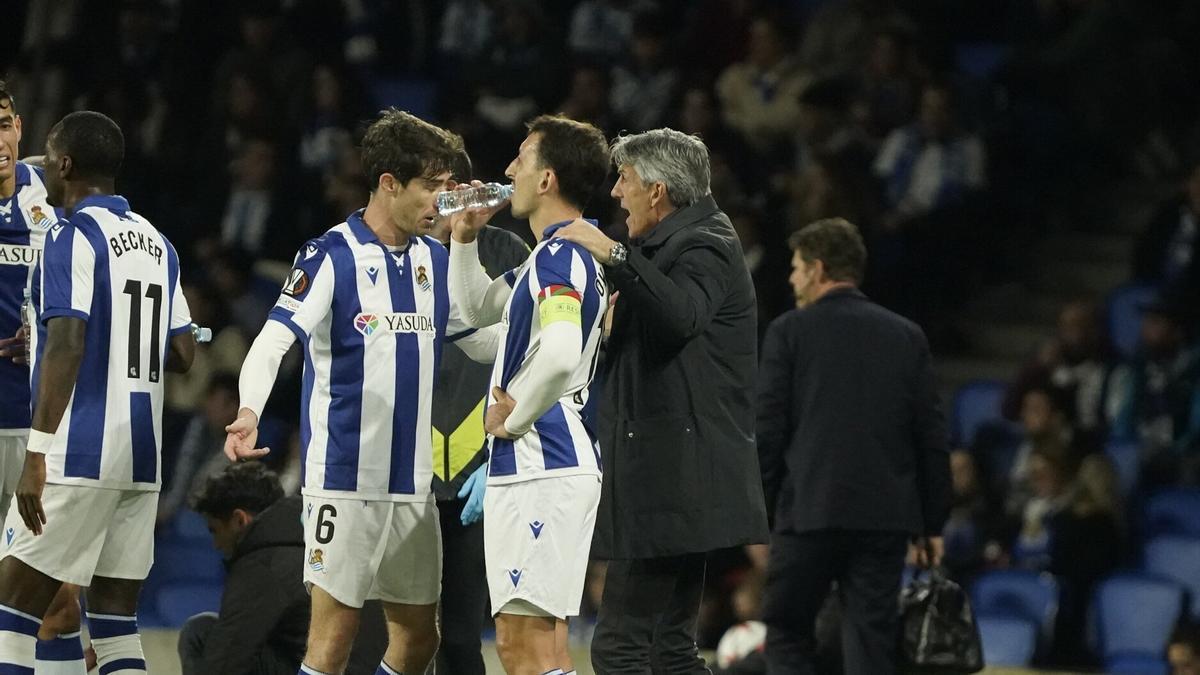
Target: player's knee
[(62, 617)]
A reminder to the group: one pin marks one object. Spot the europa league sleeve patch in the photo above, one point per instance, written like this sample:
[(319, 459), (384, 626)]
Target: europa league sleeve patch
[(297, 283)]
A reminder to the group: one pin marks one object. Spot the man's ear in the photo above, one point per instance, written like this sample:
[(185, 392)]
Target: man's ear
[(66, 167), (819, 275), (17, 126), (387, 183), (242, 517), (547, 181), (658, 193)]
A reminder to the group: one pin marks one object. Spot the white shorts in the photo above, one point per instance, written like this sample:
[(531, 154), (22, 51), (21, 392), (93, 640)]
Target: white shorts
[(12, 461), (537, 536), (358, 550), (88, 531)]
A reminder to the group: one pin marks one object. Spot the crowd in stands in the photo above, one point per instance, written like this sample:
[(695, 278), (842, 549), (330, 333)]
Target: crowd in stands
[(953, 134)]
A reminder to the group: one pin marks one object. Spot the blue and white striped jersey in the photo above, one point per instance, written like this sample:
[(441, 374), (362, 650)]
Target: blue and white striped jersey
[(24, 219), (562, 442), (372, 322), (110, 267)]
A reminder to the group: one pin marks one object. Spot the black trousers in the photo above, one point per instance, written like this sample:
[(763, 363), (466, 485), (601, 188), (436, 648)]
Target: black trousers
[(866, 566), (648, 615), (464, 593), (194, 635)]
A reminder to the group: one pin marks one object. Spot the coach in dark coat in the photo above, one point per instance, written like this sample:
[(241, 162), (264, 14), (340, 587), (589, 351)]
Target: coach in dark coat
[(853, 450), (676, 423)]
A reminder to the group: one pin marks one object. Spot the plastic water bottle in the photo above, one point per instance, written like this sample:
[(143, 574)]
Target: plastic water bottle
[(483, 197), (202, 333), (27, 322)]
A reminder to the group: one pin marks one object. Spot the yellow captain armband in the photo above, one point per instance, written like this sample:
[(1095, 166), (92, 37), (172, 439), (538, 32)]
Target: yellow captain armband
[(559, 303)]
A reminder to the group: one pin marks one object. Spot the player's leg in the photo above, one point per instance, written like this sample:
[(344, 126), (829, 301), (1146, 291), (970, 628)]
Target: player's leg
[(526, 643), (409, 583), (344, 544), (112, 598), (59, 649), (562, 647), (25, 594), (330, 634)]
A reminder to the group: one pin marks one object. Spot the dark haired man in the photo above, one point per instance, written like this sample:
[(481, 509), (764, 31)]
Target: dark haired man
[(111, 317), (263, 620), (853, 452), (368, 301), (544, 462)]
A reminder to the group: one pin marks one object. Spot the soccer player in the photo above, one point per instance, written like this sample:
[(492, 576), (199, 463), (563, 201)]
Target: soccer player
[(369, 303), (544, 463), (111, 318)]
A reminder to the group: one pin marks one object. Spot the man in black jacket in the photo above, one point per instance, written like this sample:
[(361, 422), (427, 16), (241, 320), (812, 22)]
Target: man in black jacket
[(263, 623), (853, 450), (676, 423)]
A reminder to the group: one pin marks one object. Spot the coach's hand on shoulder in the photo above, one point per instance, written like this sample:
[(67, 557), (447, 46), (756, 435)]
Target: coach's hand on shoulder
[(241, 436), (466, 224), (588, 236), (498, 412), (29, 492), (472, 490)]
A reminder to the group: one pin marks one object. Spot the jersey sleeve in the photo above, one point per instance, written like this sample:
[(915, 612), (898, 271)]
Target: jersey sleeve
[(307, 294), (561, 285), (181, 314), (68, 274)]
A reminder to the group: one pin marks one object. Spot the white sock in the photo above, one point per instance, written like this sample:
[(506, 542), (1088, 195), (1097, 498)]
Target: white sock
[(556, 671), (309, 670), (568, 672), (18, 640), (61, 656), (117, 644)]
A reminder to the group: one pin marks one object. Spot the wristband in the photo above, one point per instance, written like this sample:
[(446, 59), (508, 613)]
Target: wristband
[(39, 441)]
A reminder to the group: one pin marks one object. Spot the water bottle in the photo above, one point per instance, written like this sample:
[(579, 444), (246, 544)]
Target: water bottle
[(202, 333), (483, 197), (27, 322)]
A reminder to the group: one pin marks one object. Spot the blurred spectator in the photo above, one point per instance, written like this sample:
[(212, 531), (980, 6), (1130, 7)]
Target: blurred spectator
[(1078, 361), (760, 95), (515, 81), (334, 110), (587, 99), (258, 215), (971, 528), (734, 164), (345, 188), (262, 626), (223, 355), (1156, 396), (837, 37), (1166, 248), (717, 32), (1046, 426), (231, 273), (264, 49), (887, 84), (600, 29), (466, 28), (931, 165), (1049, 475), (199, 454), (1085, 548), (644, 84), (1183, 649)]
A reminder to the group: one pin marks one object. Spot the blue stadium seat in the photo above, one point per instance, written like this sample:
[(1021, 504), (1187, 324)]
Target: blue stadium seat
[(417, 96), (189, 561), (1135, 613), (1174, 511), (1136, 664), (1124, 317), (1177, 557), (1023, 593), (975, 403), (191, 527), (177, 602), (1007, 640), (1125, 459)]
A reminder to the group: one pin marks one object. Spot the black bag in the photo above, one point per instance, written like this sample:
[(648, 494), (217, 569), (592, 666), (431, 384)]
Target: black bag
[(938, 633)]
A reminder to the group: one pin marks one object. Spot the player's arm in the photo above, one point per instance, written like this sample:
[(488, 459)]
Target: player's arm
[(182, 353), (476, 297), (479, 345), (549, 371)]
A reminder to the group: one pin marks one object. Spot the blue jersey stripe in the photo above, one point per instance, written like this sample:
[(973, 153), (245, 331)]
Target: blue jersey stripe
[(91, 388), (57, 265), (145, 448), (503, 458), (408, 380), (306, 390), (558, 452), (590, 293), (345, 373)]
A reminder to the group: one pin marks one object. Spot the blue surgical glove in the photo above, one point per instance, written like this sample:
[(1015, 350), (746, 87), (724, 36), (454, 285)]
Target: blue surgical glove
[(472, 490)]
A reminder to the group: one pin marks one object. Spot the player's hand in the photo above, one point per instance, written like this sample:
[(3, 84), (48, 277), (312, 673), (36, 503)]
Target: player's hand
[(472, 491), (466, 224), (588, 236), (241, 436), (926, 552), (14, 347), (606, 327), (498, 412), (29, 492)]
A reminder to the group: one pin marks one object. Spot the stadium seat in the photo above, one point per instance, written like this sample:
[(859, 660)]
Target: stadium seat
[(190, 526), (1007, 640), (1124, 317), (1135, 613), (1136, 664), (976, 402), (1125, 459), (1174, 511), (1023, 593), (177, 602), (187, 561), (1177, 557)]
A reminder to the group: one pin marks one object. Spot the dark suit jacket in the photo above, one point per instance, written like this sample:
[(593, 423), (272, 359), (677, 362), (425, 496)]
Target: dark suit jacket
[(850, 431), (676, 424)]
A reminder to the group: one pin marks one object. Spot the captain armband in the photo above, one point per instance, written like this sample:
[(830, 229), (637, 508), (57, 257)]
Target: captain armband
[(559, 303)]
